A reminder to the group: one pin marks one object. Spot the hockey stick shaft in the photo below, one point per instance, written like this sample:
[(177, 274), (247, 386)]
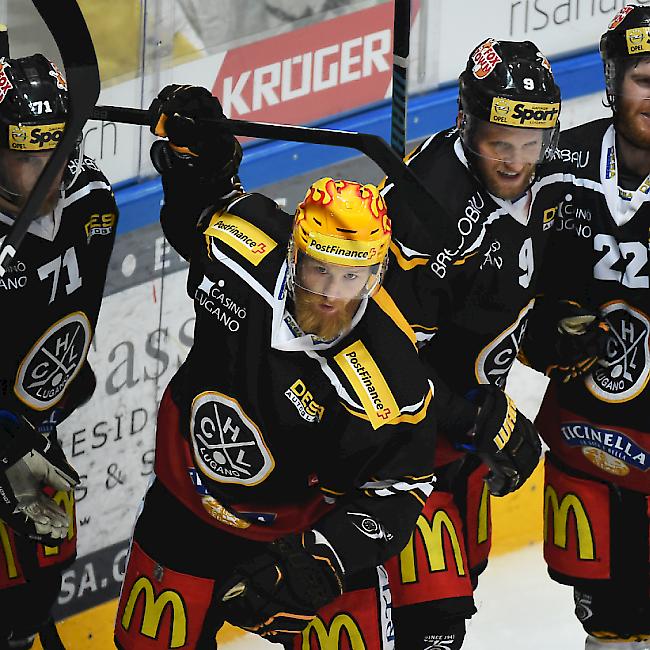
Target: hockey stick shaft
[(63, 18), (371, 145), (401, 46)]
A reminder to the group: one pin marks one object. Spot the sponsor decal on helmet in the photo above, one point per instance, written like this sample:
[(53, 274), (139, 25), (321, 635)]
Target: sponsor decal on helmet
[(35, 138), (610, 450), (620, 17), (61, 83), (5, 83), (485, 59), (345, 252), (525, 114), (544, 61), (248, 240), (638, 40)]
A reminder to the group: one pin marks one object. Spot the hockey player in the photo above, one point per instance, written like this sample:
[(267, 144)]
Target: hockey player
[(475, 277), (595, 307), (50, 298), (295, 444)]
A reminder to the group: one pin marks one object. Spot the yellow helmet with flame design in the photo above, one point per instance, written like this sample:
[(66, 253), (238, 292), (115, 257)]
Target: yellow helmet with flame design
[(345, 225)]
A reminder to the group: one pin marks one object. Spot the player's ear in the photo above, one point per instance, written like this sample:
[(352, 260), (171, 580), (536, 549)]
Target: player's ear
[(459, 119)]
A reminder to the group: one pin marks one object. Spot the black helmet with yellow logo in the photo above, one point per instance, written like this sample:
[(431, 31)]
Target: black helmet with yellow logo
[(33, 104), (625, 43), (510, 84)]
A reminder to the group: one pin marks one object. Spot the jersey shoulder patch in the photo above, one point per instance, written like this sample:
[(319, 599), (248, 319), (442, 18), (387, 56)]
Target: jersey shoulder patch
[(250, 240)]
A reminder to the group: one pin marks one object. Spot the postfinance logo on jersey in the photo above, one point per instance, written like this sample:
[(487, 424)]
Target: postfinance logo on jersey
[(248, 240), (368, 383), (532, 115)]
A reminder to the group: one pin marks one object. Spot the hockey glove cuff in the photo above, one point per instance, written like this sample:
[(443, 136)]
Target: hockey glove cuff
[(276, 594), (504, 439)]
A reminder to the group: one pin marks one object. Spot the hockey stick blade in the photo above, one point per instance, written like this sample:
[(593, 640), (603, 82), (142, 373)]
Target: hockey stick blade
[(371, 145), (68, 27)]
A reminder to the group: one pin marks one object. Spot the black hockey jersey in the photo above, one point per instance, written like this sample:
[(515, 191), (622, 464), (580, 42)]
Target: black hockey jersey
[(599, 258), (279, 422), (474, 267), (51, 295)]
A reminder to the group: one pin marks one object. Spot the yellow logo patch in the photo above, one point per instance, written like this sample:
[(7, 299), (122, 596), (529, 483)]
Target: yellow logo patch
[(368, 383), (346, 252), (532, 115), (248, 240), (549, 217), (35, 138), (100, 224), (638, 40), (304, 401)]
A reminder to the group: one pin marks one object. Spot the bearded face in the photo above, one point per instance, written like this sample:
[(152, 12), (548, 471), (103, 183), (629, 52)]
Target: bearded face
[(633, 105), (323, 316), (507, 158)]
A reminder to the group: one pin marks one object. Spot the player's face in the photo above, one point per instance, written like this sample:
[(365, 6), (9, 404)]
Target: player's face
[(507, 157), (633, 105), (327, 296), (19, 173)]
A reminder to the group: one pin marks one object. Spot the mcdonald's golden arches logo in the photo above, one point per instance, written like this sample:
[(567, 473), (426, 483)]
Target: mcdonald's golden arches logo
[(560, 509), (329, 636), (432, 537), (154, 608)]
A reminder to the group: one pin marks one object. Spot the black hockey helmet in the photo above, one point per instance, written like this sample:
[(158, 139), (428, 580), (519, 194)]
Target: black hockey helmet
[(625, 43), (511, 84), (33, 112), (33, 104)]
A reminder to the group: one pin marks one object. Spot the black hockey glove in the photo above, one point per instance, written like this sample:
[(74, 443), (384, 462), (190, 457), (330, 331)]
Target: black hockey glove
[(505, 439), (211, 150), (581, 341), (276, 594), (24, 471)]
